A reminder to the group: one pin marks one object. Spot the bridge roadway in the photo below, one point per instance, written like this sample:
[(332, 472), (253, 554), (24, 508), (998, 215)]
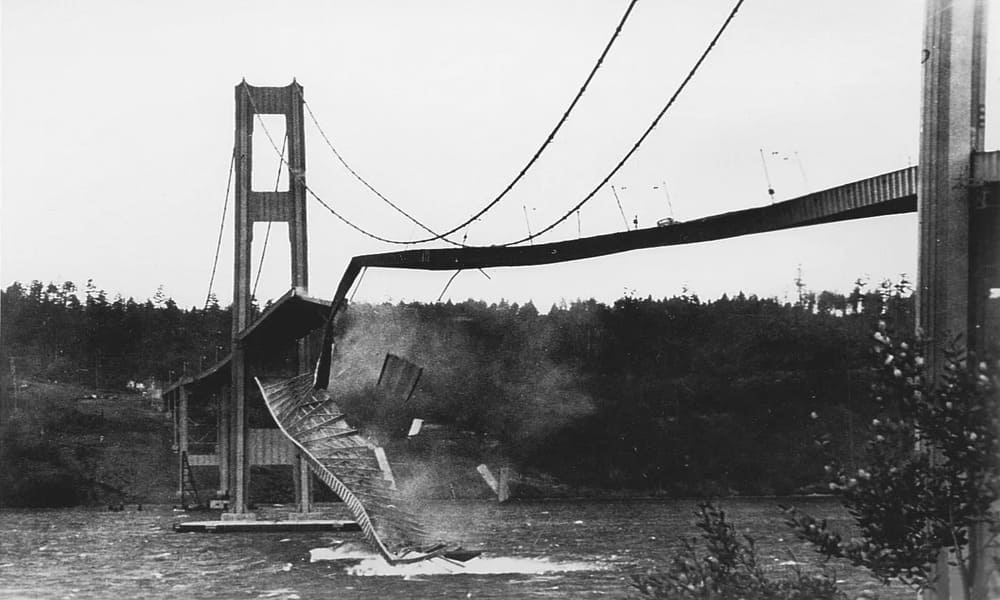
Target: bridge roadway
[(887, 194)]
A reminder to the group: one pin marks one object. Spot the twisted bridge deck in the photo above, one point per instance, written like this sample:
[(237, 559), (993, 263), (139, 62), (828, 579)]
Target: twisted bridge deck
[(347, 462), (888, 194)]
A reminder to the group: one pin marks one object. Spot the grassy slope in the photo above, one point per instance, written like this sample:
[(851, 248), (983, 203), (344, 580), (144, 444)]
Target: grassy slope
[(64, 447)]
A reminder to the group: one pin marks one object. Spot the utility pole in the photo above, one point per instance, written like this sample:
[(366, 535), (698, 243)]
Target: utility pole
[(800, 286)]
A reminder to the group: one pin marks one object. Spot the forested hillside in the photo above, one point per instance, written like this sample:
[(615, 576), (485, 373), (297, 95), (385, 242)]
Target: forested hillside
[(676, 395), (59, 332)]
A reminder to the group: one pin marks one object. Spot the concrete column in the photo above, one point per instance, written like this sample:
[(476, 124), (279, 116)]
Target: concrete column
[(243, 223), (297, 237), (303, 485), (222, 450), (297, 233), (182, 439), (951, 130), (951, 252), (239, 467), (984, 268)]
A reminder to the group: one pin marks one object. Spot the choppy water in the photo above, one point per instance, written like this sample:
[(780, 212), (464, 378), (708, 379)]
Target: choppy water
[(584, 549)]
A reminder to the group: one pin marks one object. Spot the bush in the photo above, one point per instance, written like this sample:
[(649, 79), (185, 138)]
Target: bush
[(931, 471), (728, 568)]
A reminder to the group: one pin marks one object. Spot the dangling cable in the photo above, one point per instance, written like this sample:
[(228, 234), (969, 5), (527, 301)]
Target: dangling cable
[(358, 285), (527, 223), (447, 285), (767, 176), (620, 209)]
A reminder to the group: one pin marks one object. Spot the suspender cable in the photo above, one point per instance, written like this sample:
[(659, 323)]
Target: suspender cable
[(222, 225), (267, 235)]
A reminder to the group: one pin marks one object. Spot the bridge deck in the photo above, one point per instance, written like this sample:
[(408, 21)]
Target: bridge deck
[(888, 194)]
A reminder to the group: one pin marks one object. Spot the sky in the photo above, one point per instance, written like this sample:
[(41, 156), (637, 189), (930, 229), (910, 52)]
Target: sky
[(117, 130)]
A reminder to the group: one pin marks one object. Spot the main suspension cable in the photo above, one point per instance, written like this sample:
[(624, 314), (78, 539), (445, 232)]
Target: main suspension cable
[(222, 226), (299, 177), (588, 197), (643, 137), (372, 189), (520, 175)]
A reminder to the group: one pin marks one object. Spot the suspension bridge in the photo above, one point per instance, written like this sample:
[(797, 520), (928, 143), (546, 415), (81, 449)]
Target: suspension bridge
[(955, 190)]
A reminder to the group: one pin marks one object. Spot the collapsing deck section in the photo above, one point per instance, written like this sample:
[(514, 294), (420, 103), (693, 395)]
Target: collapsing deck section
[(350, 464)]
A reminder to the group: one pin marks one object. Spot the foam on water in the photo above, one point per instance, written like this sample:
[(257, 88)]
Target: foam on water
[(367, 563), (343, 551)]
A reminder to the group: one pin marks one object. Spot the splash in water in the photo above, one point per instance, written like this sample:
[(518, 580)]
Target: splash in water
[(364, 562)]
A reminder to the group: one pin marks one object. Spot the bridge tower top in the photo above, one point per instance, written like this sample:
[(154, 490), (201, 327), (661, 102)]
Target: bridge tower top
[(254, 206)]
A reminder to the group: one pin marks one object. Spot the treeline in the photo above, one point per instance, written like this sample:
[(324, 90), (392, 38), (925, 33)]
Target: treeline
[(62, 333), (676, 395)]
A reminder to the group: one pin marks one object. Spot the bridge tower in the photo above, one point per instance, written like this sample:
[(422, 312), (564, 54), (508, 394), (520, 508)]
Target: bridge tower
[(959, 219), (254, 206)]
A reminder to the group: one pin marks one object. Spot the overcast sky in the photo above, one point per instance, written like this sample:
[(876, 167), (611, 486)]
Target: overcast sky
[(118, 127)]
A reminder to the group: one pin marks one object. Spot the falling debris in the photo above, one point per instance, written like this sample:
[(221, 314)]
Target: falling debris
[(500, 487), (398, 378), (504, 493), (383, 464), (488, 478)]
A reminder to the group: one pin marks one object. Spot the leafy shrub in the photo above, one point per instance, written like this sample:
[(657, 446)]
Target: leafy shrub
[(728, 568), (931, 470)]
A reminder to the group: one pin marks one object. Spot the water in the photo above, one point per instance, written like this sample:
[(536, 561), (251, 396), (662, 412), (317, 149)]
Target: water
[(584, 549)]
